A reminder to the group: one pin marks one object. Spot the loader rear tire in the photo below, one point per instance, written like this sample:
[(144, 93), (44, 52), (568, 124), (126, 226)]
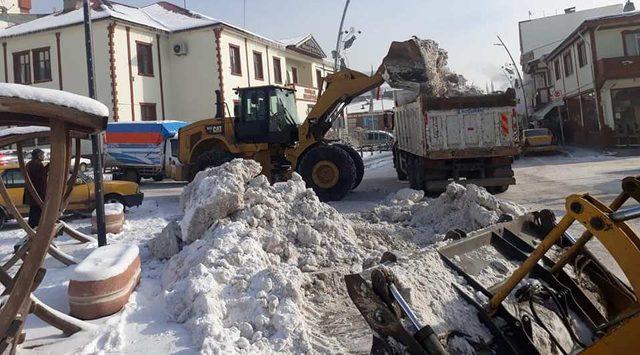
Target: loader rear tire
[(357, 160), (211, 158), (329, 171)]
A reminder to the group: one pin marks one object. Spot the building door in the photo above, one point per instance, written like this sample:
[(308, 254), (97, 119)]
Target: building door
[(626, 115)]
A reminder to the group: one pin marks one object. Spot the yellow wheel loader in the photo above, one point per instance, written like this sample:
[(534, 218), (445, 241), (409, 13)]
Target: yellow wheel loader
[(554, 277), (269, 131)]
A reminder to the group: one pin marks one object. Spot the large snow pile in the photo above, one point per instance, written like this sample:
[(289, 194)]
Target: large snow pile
[(460, 207), (244, 282)]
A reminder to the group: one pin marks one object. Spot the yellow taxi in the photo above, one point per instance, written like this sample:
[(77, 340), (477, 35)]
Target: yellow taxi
[(537, 140), (82, 196)]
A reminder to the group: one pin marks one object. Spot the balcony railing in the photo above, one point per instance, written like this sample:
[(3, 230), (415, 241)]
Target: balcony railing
[(618, 68)]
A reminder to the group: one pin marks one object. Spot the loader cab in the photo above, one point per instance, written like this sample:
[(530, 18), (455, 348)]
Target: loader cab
[(267, 114)]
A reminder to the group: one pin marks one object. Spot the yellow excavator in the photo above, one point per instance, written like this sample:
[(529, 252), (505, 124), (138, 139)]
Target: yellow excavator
[(268, 130), (554, 274)]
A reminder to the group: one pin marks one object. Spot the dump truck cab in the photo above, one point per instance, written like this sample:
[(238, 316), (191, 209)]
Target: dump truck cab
[(267, 114)]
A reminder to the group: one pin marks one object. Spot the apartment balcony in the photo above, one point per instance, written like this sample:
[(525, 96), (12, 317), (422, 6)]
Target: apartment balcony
[(618, 68)]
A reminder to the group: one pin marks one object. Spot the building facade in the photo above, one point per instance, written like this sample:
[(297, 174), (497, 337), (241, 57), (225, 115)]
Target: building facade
[(158, 62), (596, 71)]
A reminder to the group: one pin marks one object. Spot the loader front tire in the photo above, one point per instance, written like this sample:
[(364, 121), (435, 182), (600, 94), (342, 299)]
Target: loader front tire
[(357, 160), (211, 158), (329, 171)]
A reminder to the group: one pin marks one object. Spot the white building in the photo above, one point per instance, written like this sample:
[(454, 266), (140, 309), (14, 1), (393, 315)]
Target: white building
[(538, 37), (596, 72), (159, 61)]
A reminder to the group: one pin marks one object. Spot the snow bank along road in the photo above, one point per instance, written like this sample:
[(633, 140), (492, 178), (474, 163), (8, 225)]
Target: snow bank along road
[(543, 182)]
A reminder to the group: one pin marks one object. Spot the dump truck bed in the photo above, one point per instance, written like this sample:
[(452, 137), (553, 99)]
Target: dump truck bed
[(458, 127)]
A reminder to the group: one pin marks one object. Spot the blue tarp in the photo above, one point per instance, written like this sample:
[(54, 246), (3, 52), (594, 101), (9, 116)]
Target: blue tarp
[(167, 128)]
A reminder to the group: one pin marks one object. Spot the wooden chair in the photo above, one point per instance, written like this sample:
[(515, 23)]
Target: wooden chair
[(65, 124)]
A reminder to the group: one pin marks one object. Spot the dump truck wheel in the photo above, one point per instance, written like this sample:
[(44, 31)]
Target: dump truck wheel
[(211, 158), (357, 160), (329, 171), (402, 174)]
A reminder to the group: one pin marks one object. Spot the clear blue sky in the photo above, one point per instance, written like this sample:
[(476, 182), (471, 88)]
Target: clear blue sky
[(466, 28)]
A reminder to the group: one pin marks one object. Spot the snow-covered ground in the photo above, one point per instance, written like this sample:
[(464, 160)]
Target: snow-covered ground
[(144, 324)]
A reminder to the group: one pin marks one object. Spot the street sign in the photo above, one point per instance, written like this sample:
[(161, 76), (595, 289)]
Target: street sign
[(557, 95)]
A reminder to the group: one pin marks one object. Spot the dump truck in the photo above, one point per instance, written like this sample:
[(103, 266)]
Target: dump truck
[(267, 128), (467, 139), (136, 150)]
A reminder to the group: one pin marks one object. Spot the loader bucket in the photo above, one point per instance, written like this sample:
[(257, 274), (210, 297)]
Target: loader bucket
[(405, 66)]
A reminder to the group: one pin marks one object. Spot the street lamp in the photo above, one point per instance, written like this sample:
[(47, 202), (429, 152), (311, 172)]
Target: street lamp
[(515, 66)]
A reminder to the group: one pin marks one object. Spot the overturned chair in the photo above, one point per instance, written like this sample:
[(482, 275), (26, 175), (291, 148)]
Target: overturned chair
[(62, 117)]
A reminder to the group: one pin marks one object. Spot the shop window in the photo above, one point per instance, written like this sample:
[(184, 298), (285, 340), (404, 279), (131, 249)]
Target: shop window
[(294, 75)]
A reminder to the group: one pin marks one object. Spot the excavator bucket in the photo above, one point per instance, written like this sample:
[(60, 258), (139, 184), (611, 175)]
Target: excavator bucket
[(405, 66), (557, 297)]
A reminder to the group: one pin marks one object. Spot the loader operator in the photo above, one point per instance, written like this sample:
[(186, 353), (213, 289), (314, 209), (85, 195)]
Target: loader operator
[(38, 175)]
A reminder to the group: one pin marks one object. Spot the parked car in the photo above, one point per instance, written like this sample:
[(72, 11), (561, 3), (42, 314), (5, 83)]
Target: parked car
[(536, 140), (377, 138), (84, 164), (82, 197)]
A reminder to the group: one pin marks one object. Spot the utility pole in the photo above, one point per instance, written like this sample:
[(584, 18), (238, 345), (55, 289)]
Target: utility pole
[(515, 66), (337, 53), (95, 138)]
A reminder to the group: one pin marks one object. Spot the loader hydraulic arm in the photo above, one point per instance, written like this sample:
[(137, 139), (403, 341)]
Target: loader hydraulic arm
[(342, 87)]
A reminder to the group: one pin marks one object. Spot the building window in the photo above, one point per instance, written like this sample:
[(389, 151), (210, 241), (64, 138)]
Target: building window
[(257, 65), (21, 68), (631, 43), (148, 112), (568, 64), (294, 75), (319, 79), (234, 56), (277, 71), (556, 69), (41, 65), (145, 58), (582, 54)]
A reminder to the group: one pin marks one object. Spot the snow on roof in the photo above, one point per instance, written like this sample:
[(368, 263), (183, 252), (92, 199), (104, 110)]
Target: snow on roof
[(294, 41), (22, 130), (56, 97), (162, 16), (363, 106)]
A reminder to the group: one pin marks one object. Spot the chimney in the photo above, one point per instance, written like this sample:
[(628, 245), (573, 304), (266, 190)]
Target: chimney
[(25, 6), (629, 6), (71, 5), (570, 10)]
